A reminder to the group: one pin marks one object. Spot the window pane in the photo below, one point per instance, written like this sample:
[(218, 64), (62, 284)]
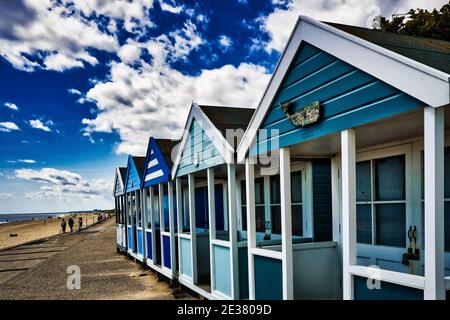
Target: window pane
[(260, 219), (296, 187), (363, 181), (275, 189), (297, 220), (447, 226), (447, 173), (259, 191), (244, 217), (243, 194), (364, 223), (390, 178), (275, 213), (391, 224)]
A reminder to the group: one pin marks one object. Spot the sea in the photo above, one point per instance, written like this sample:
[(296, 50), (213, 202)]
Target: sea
[(5, 218)]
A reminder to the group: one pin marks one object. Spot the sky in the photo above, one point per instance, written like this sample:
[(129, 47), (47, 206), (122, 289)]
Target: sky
[(86, 83)]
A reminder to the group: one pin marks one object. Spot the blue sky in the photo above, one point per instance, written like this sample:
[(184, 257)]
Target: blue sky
[(85, 83)]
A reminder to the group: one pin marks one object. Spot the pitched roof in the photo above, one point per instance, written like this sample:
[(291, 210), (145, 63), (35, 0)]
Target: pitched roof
[(431, 52), (139, 162), (225, 118), (123, 173), (166, 146)]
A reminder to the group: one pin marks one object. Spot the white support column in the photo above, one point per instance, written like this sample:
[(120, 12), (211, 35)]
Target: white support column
[(191, 183), (212, 222), (232, 214), (336, 211), (161, 220), (434, 203), (152, 221), (251, 223), (144, 222), (348, 150), (171, 226), (286, 224), (178, 190)]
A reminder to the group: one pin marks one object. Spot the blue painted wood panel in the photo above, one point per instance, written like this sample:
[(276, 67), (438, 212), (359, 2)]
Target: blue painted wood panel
[(243, 272), (388, 291), (140, 246), (323, 220), (349, 97), (130, 238), (186, 262), (268, 288), (222, 272), (148, 236), (198, 147), (133, 180), (166, 249), (202, 208), (156, 169)]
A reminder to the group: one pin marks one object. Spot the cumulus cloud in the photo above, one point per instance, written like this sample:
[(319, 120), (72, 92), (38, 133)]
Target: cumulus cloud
[(8, 127), (38, 124), (61, 184), (49, 34), (170, 8), (280, 23), (11, 106), (225, 42)]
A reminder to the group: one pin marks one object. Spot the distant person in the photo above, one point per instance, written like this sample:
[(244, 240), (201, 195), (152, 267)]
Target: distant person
[(63, 225), (71, 223), (80, 223)]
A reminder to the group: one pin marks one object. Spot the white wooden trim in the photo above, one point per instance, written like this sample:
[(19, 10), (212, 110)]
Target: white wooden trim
[(348, 151), (272, 254), (173, 257), (184, 236), (161, 220), (191, 183), (152, 220), (221, 243), (412, 77), (212, 223), (211, 131), (400, 278), (178, 190), (232, 213), (286, 224), (336, 211), (251, 225), (434, 203)]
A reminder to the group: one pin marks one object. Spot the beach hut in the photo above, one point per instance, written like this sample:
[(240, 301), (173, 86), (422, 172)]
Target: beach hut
[(133, 202), (119, 208), (365, 113), (212, 255), (160, 208)]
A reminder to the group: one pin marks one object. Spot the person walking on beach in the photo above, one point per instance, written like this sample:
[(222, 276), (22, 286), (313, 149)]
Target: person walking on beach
[(63, 225), (80, 223), (71, 222)]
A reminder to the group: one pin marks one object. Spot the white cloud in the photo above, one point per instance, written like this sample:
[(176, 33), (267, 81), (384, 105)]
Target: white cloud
[(45, 34), (74, 92), (11, 106), (280, 23), (129, 52), (6, 196), (28, 161), (170, 8), (38, 124), (154, 99), (63, 184), (225, 42), (8, 127)]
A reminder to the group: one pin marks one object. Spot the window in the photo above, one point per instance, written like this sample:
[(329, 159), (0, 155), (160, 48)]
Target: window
[(148, 209), (296, 204), (381, 201), (259, 205)]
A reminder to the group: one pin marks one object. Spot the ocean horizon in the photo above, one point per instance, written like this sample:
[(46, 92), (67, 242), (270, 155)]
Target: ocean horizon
[(15, 217)]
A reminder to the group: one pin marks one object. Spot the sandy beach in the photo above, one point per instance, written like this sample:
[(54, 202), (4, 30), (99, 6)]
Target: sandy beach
[(37, 229)]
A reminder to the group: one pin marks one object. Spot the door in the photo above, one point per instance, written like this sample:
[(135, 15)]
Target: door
[(384, 209)]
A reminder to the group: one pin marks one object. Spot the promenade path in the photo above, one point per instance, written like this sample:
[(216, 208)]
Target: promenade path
[(39, 270)]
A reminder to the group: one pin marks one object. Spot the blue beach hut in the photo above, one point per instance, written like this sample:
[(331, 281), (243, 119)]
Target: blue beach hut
[(355, 124), (119, 208), (160, 207), (133, 202), (212, 261)]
